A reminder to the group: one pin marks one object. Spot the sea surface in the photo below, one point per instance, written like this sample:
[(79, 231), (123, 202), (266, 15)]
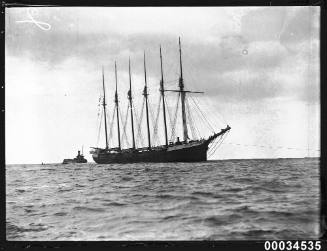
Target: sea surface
[(214, 200)]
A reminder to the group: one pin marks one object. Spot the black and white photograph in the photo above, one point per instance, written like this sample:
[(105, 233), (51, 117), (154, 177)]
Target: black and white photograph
[(162, 123)]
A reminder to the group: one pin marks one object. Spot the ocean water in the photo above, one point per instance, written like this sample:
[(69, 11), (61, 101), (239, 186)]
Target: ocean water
[(214, 200)]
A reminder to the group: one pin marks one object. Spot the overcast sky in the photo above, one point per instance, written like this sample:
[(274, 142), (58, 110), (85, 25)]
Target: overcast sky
[(258, 66)]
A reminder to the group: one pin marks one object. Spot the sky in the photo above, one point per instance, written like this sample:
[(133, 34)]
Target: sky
[(257, 66)]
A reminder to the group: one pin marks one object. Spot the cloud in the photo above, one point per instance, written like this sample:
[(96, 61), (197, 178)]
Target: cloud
[(262, 61)]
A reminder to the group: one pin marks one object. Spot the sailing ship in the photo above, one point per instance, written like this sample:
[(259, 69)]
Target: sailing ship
[(187, 150)]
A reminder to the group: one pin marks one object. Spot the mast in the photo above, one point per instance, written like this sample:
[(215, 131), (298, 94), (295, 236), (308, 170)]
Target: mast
[(104, 108), (117, 108), (162, 90), (130, 99), (183, 93), (145, 94)]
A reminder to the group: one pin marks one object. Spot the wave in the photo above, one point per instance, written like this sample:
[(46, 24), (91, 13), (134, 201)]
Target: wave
[(127, 178), (221, 220), (60, 214), (271, 189), (240, 199), (78, 185), (14, 231), (173, 217), (60, 190), (89, 209), (205, 194), (21, 190), (234, 189), (115, 204)]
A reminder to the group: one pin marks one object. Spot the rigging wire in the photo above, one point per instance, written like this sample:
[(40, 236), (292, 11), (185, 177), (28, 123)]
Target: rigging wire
[(173, 133), (99, 129), (124, 123), (217, 146), (190, 69), (135, 114), (112, 124), (216, 115), (155, 128), (204, 117), (169, 115), (201, 122), (139, 137), (190, 119), (216, 142), (152, 121), (99, 110)]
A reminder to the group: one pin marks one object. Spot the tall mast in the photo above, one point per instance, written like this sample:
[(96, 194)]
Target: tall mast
[(145, 94), (104, 108), (183, 93), (130, 100), (117, 108), (162, 90)]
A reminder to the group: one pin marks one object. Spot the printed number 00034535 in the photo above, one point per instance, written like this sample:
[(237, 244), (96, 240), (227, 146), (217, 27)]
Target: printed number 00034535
[(292, 245)]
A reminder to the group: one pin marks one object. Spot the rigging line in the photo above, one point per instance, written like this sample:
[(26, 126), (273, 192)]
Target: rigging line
[(213, 116), (139, 125), (124, 123), (202, 115), (108, 121), (152, 120), (99, 107), (217, 116), (222, 140), (99, 110), (196, 130), (98, 138), (195, 126), (214, 151), (169, 115), (175, 119), (201, 122), (135, 114), (272, 147), (190, 119), (112, 124), (214, 144), (155, 128)]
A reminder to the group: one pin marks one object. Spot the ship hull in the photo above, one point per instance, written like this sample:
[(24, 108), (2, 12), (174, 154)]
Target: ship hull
[(178, 153), (72, 161)]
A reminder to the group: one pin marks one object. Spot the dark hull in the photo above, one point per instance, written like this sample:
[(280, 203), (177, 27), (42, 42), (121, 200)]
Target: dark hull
[(186, 153), (74, 161)]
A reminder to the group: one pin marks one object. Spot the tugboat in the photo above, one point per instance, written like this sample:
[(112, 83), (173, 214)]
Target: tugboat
[(78, 159)]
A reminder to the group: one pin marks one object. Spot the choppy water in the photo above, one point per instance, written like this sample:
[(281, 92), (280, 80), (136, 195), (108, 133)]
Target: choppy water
[(214, 200)]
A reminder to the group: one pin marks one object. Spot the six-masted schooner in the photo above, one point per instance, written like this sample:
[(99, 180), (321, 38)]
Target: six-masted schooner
[(178, 151)]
